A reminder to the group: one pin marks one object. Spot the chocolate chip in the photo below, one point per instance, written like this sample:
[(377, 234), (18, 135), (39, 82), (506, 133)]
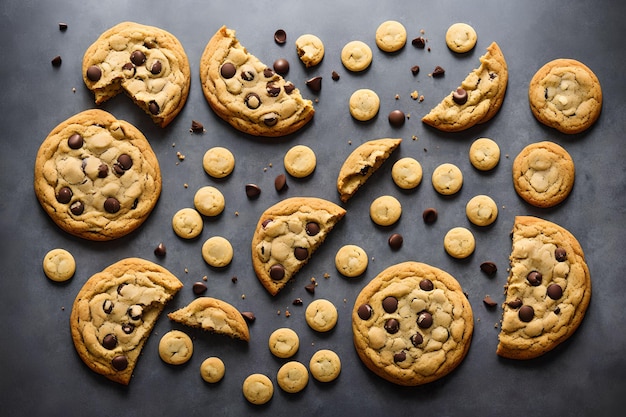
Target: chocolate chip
[(281, 66), (399, 357), (301, 253), (424, 320), (118, 169), (252, 101), (390, 304), (489, 302), (228, 70), (75, 141), (392, 326), (315, 84), (438, 72), (417, 339), (280, 183), (199, 288), (268, 72), (197, 127), (555, 291), (112, 205), (560, 254), (109, 342), (517, 303), (277, 272), (56, 61), (156, 68), (426, 285), (272, 88), (335, 76), (280, 36), (289, 87), (364, 311), (248, 316), (557, 310), (234, 280), (488, 268), (415, 69), (534, 278), (526, 313), (107, 306), (137, 57), (396, 118), (160, 250), (129, 69), (297, 302), (94, 73), (128, 328), (120, 362), (154, 107), (312, 228), (135, 312), (395, 241), (429, 215), (62, 27), (253, 191), (270, 119), (419, 42), (265, 223), (64, 195), (310, 288), (103, 170), (77, 208), (247, 74), (459, 96), (125, 161)]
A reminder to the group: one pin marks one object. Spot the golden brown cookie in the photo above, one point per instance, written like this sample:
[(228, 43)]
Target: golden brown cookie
[(484, 154), (461, 37), (114, 313), (447, 179), (300, 161), (97, 177), (258, 389), (59, 265), (459, 242), (481, 210), (325, 365), (548, 289), (147, 63), (385, 210), (284, 342), (248, 94), (407, 173), (212, 369), (292, 377), (321, 315), (351, 261), (217, 251), (566, 95), (412, 324), (218, 162), (390, 36), (364, 104)]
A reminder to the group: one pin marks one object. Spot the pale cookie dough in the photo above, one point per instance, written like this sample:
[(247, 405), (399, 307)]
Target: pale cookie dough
[(459, 242), (300, 161), (310, 49), (321, 315), (258, 389), (209, 201), (385, 210), (407, 173), (481, 210), (484, 154), (390, 36), (284, 342), (212, 369), (325, 365), (447, 179), (292, 377), (356, 56), (461, 37), (217, 251), (218, 162), (351, 261), (364, 104), (59, 265), (175, 347), (187, 223)]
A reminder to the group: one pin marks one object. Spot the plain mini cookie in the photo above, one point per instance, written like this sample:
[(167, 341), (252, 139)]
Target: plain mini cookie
[(364, 104), (310, 49), (484, 154), (459, 242), (212, 369), (356, 56), (284, 342), (351, 261), (390, 36), (187, 223), (447, 179), (59, 265), (385, 210), (300, 161), (461, 37), (325, 365), (258, 389), (209, 201), (481, 210), (321, 315), (218, 162), (175, 347), (292, 377), (217, 251), (407, 173)]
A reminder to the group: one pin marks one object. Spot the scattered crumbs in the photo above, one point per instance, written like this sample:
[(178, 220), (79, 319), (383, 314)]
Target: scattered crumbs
[(243, 296), (205, 278), (234, 280), (421, 98), (422, 31), (265, 169), (278, 312), (287, 313), (506, 156), (313, 280), (478, 319), (62, 308), (495, 326), (236, 213), (414, 137), (345, 300), (73, 89), (408, 115), (186, 185), (270, 165), (397, 96), (349, 142), (186, 271), (317, 100), (414, 95), (173, 144), (180, 156), (326, 275)]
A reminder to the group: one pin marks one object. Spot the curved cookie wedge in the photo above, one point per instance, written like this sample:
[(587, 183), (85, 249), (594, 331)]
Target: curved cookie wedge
[(248, 94), (287, 235), (213, 315), (412, 324), (485, 87), (362, 163), (114, 313), (548, 289)]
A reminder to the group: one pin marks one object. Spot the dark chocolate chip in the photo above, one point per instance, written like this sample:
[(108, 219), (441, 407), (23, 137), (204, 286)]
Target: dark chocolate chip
[(268, 72), (312, 228), (557, 310), (301, 253), (364, 311), (252, 101), (396, 118), (429, 215), (125, 161), (395, 241), (272, 88), (112, 205), (156, 68), (419, 42), (228, 70), (399, 357), (392, 326), (426, 285), (62, 27), (118, 169), (415, 69), (75, 141), (64, 195), (248, 316), (199, 288), (459, 96), (270, 119), (289, 87), (488, 268), (234, 280), (280, 183), (281, 66), (197, 127), (526, 313), (424, 320), (248, 74), (129, 69), (438, 72), (77, 208), (310, 288), (517, 303), (297, 302), (160, 250), (534, 278), (94, 73), (555, 291), (390, 304), (103, 170), (280, 36), (128, 328), (277, 272), (154, 108), (315, 84), (120, 362), (107, 306), (489, 302), (109, 342), (56, 61), (137, 57), (560, 254), (253, 191), (265, 223), (417, 339), (335, 76), (135, 312)]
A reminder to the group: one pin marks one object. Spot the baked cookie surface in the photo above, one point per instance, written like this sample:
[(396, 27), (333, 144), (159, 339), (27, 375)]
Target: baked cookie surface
[(97, 177), (548, 289), (412, 324), (248, 94), (114, 313), (146, 62)]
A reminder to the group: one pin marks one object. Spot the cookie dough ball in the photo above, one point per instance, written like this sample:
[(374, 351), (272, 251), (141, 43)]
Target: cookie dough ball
[(292, 377), (325, 365), (407, 173), (364, 104), (351, 261), (481, 210), (300, 161), (356, 56), (218, 162), (447, 179), (212, 369), (310, 49), (284, 342), (209, 201), (217, 251), (459, 242), (258, 389), (59, 265), (175, 347), (187, 223), (391, 36), (385, 210), (461, 37), (484, 154), (321, 315)]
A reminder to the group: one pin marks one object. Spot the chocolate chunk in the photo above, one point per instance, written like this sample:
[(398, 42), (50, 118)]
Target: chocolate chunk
[(62, 27), (135, 312), (297, 302), (517, 303), (64, 195), (277, 272), (272, 88), (390, 304), (429, 215), (392, 326), (265, 223), (415, 69), (94, 73), (107, 306), (489, 302), (310, 288), (234, 280), (417, 339), (160, 250), (253, 191), (280, 183), (555, 291), (289, 87), (312, 228), (103, 170), (118, 169), (438, 72), (75, 141), (248, 316), (137, 57), (128, 328), (109, 342), (154, 108), (120, 362), (77, 208), (268, 72), (534, 278), (399, 357), (252, 101), (228, 70), (459, 96), (197, 127), (199, 288), (419, 42), (315, 84), (156, 68), (301, 253), (526, 313), (426, 285), (488, 268), (424, 320), (56, 61), (396, 118), (560, 254), (129, 69), (280, 36), (270, 119), (248, 73), (125, 161), (395, 241), (364, 311), (281, 66), (335, 76), (112, 205)]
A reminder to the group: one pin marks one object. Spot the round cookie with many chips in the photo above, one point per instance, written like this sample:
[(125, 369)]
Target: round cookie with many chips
[(412, 324), (97, 177), (566, 95), (146, 62), (248, 94)]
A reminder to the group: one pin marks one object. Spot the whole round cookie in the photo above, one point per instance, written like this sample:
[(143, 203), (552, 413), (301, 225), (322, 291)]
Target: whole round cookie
[(258, 389), (310, 50), (212, 369), (459, 242), (209, 201), (461, 37), (412, 324), (484, 154), (543, 174), (292, 377), (356, 56), (364, 104), (96, 176), (300, 161), (566, 95), (187, 223), (385, 210), (175, 347), (218, 162), (390, 36), (59, 265), (321, 315), (217, 251), (351, 261), (407, 173), (284, 342), (325, 365), (481, 210), (447, 179)]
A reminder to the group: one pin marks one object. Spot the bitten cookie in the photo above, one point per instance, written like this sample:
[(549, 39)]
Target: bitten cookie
[(175, 347), (114, 313), (548, 289), (248, 94), (146, 62), (566, 95), (543, 174), (321, 315), (412, 324), (310, 50), (390, 36), (286, 236), (97, 177), (461, 37)]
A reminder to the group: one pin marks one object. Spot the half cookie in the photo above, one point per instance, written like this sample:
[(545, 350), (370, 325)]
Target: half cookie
[(247, 93), (477, 99), (286, 236), (547, 292), (114, 313)]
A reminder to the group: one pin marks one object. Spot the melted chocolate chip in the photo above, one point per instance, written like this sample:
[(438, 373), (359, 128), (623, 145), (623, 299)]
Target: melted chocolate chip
[(199, 288), (228, 70), (137, 57), (390, 304), (128, 328), (272, 88), (417, 339), (395, 241), (424, 320), (77, 208), (135, 312), (64, 195), (426, 285), (396, 118), (301, 253), (154, 108), (156, 68), (315, 84), (268, 72), (107, 306), (289, 87), (109, 342), (534, 278), (120, 362), (560, 254), (399, 357), (94, 73), (247, 74), (517, 303), (488, 268), (555, 291), (129, 69), (526, 313), (312, 228), (160, 250), (335, 76), (252, 101), (112, 205), (392, 326), (459, 96), (253, 191), (270, 119), (75, 141), (280, 36), (125, 161), (281, 66), (429, 215), (265, 223), (364, 311), (277, 272)]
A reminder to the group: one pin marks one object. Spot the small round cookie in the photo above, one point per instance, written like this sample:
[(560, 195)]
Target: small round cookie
[(59, 265), (209, 201), (356, 56), (258, 389), (284, 342), (407, 173), (543, 174), (187, 223), (300, 161), (459, 242), (325, 365), (217, 251), (175, 347), (212, 369), (484, 154), (364, 104), (321, 315), (218, 162), (390, 36), (310, 49), (566, 95), (481, 210), (385, 210), (447, 179), (461, 37), (292, 377), (351, 261)]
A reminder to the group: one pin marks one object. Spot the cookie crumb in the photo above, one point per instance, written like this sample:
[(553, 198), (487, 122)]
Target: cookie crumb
[(287, 313), (186, 271), (74, 90), (186, 185), (414, 137), (414, 95), (236, 213), (326, 275), (397, 96), (278, 312), (243, 296), (205, 278), (180, 156), (349, 142)]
